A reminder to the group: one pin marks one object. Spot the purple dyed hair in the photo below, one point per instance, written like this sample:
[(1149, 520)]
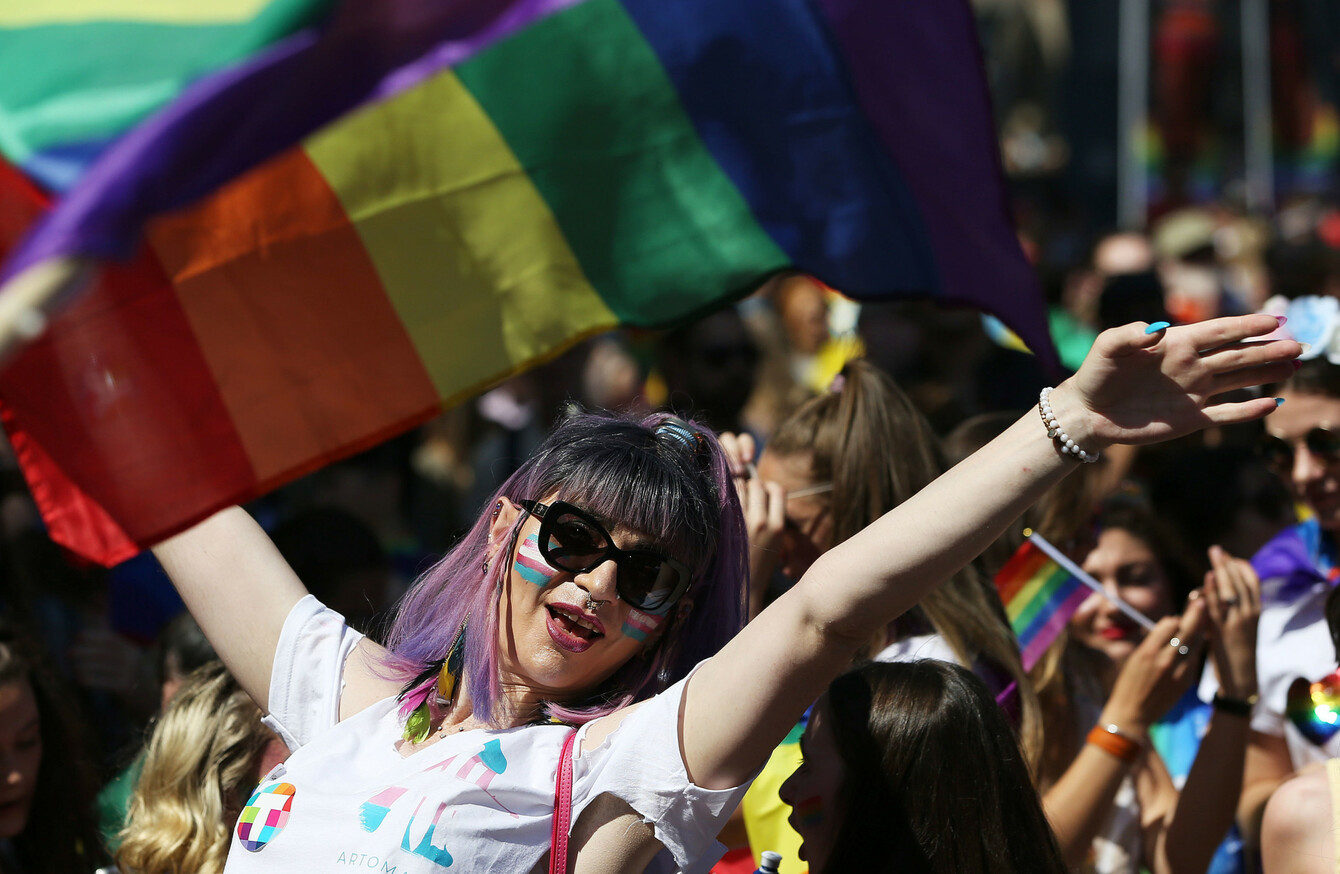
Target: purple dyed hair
[(618, 467)]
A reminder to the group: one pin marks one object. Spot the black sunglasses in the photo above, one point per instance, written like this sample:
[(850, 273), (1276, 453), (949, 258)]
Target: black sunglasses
[(573, 541), (1278, 454)]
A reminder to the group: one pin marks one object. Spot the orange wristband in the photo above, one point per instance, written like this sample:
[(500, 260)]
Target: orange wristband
[(1111, 740)]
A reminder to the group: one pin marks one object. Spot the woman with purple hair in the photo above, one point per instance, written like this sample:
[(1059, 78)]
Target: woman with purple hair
[(603, 590)]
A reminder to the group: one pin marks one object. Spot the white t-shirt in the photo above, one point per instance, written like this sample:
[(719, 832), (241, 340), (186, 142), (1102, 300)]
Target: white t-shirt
[(1292, 641), (919, 646), (475, 801)]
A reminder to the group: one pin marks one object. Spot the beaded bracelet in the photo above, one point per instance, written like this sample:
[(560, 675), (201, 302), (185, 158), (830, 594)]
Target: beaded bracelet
[(1057, 433), (1110, 739)]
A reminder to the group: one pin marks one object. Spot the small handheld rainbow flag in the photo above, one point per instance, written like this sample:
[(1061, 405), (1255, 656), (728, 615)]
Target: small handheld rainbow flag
[(1042, 589), (1040, 596)]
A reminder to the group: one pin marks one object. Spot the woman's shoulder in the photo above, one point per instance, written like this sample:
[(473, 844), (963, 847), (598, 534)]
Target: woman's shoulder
[(365, 678), (598, 731), (663, 707), (1298, 820)]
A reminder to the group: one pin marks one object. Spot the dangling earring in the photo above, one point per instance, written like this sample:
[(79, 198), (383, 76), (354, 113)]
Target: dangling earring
[(414, 707), (486, 565), (451, 668)]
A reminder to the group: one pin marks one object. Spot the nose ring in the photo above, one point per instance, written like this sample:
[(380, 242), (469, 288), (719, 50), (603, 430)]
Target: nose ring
[(592, 605)]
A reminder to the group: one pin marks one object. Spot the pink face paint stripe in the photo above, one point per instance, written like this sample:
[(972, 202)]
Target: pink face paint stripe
[(638, 625)]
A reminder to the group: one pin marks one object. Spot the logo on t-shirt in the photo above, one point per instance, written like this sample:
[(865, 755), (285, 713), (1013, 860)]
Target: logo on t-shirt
[(265, 815)]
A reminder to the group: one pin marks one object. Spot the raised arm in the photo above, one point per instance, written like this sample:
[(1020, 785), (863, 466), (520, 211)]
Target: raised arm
[(1133, 388), (1208, 802), (1149, 683), (238, 587)]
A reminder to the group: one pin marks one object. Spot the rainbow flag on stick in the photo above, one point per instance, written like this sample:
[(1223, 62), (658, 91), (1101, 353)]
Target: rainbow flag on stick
[(1040, 596), (1041, 589), (383, 213)]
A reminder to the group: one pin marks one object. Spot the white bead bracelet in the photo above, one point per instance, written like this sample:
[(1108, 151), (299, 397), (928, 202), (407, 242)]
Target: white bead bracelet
[(1057, 433)]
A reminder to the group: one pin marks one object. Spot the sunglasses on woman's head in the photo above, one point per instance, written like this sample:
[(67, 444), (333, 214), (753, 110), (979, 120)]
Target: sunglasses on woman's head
[(571, 540), (1278, 454)]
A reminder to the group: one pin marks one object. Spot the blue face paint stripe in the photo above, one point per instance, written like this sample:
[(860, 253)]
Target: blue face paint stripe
[(531, 575)]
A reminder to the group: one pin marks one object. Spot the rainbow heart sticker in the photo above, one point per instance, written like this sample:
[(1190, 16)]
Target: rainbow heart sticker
[(1315, 707)]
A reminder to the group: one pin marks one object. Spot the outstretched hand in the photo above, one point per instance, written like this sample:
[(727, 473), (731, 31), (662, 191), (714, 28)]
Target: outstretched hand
[(1136, 387), (763, 503), (1158, 672), (764, 506)]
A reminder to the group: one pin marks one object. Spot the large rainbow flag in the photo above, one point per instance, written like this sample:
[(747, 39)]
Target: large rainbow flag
[(377, 215), (1040, 596)]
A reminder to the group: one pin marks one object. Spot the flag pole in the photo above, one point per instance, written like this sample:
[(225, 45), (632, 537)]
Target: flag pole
[(1132, 113), (28, 299), (1064, 561), (1256, 110)]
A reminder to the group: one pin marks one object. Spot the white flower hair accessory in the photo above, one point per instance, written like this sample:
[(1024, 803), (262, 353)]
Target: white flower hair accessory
[(1313, 320)]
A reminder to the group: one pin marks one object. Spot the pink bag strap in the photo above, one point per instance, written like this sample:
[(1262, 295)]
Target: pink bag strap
[(558, 837)]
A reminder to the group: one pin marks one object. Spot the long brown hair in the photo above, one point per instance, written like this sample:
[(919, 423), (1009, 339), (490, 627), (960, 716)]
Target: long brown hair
[(60, 834), (1068, 672), (933, 779), (878, 450)]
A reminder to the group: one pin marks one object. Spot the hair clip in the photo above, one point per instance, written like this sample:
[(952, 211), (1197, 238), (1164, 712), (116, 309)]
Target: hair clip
[(679, 431)]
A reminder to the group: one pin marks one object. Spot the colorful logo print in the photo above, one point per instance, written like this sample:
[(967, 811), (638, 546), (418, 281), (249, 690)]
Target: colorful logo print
[(265, 815), (1315, 707), (479, 769)]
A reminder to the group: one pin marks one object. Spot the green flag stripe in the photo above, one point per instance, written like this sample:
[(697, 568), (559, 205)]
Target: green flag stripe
[(658, 228)]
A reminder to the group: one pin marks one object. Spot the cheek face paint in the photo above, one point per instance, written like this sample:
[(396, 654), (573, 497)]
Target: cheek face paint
[(810, 812), (531, 565), (638, 624)]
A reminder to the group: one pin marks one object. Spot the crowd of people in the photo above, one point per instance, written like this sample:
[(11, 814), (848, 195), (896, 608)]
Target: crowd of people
[(766, 540)]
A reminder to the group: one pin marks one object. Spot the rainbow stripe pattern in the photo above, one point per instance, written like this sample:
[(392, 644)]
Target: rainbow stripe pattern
[(378, 216), (75, 76), (1040, 596), (638, 625), (810, 812), (1315, 707)]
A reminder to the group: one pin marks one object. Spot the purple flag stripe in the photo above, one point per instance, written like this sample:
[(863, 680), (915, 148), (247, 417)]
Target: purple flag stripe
[(1055, 624), (944, 145)]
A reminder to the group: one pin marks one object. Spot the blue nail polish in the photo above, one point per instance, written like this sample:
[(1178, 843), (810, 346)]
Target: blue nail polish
[(1157, 326), (1279, 402)]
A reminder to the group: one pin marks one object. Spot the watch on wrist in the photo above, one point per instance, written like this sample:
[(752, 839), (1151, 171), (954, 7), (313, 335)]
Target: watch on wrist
[(1235, 706)]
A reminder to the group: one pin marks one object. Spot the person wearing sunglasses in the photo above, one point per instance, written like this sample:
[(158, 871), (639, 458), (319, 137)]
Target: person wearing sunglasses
[(563, 616), (1298, 569)]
